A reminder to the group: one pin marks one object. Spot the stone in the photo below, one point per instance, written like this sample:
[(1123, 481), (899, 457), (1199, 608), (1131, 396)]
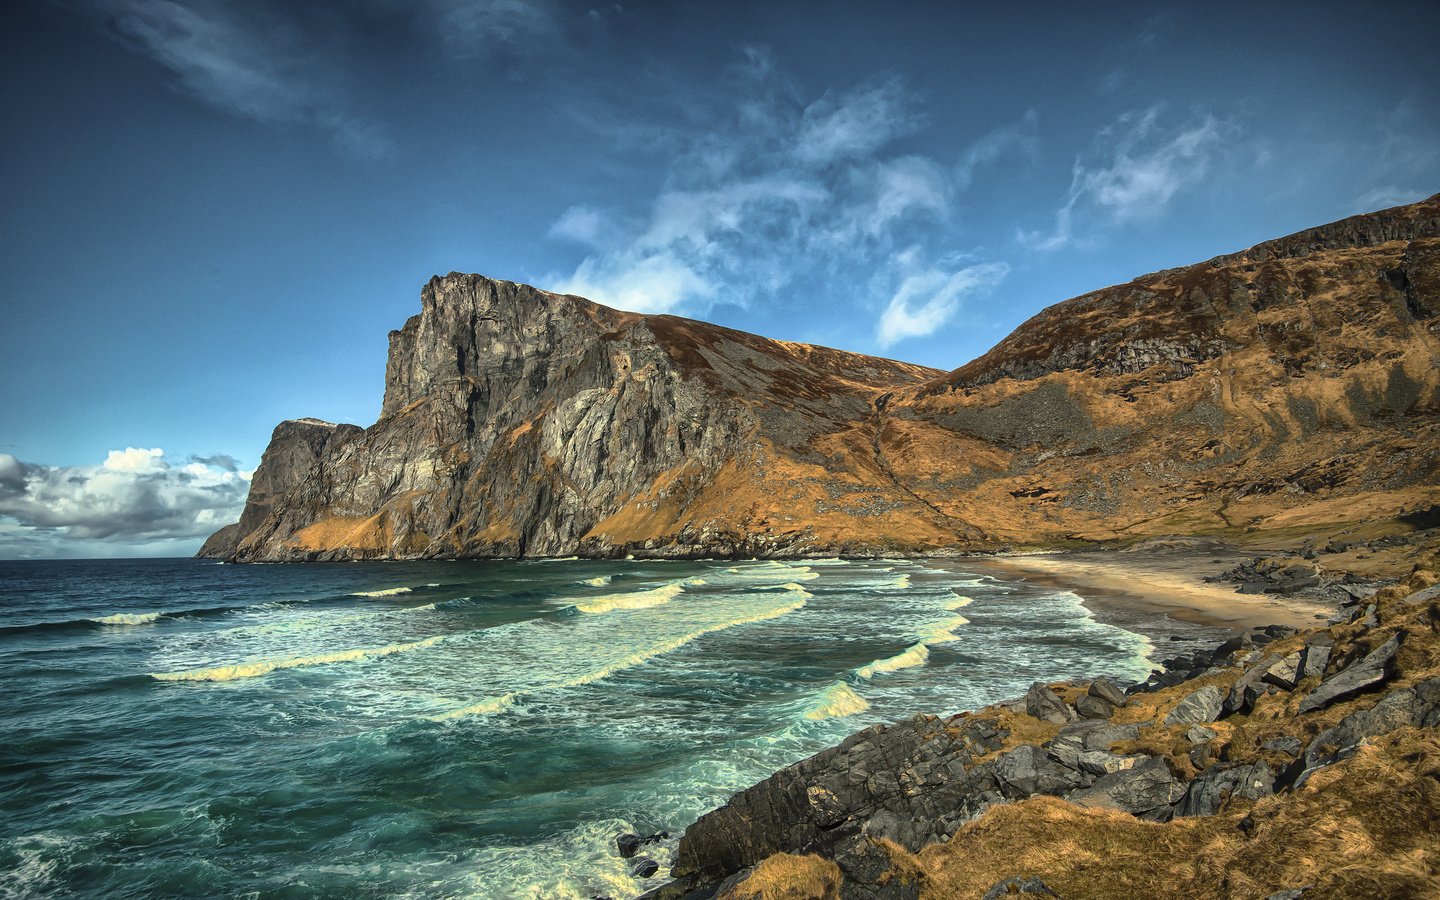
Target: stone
[(1046, 705), (1316, 656), (1209, 793), (870, 873), (1015, 885), (1103, 762), (1289, 745), (1090, 707), (1106, 689), (644, 867), (1148, 789), (1249, 687), (1289, 894), (1199, 734), (1417, 706), (629, 844), (1358, 676), (1027, 770), (1285, 674), (1201, 706)]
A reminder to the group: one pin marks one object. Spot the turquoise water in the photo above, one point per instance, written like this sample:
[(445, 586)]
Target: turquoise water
[(459, 729)]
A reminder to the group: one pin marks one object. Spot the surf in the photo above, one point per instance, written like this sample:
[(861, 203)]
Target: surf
[(258, 668)]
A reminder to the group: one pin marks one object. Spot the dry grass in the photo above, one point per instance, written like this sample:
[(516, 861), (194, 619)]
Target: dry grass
[(786, 876)]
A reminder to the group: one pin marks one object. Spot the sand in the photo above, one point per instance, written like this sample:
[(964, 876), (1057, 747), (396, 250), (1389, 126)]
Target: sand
[(1166, 583)]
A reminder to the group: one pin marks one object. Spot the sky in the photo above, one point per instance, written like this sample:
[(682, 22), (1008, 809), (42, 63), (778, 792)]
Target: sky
[(214, 212)]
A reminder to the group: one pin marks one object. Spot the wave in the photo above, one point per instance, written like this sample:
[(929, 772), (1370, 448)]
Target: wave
[(633, 600), (492, 705), (838, 700), (770, 571), (264, 667), (128, 619), (598, 580), (915, 655), (387, 592), (901, 582), (942, 632), (960, 602)]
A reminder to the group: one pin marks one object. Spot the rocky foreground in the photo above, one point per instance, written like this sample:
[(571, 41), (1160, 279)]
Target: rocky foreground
[(1290, 386), (1282, 764)]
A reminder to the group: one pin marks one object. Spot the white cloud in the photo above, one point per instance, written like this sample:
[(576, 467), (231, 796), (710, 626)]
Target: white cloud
[(927, 298), (853, 125), (1386, 197), (1138, 169), (134, 497), (993, 145)]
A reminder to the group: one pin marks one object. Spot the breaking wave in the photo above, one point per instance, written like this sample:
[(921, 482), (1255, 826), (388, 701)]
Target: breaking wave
[(598, 580), (838, 700), (266, 666), (387, 592), (633, 600), (942, 632), (915, 655), (128, 619)]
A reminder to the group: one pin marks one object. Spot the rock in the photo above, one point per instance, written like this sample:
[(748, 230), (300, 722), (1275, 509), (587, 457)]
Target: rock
[(1216, 786), (1316, 656), (1421, 597), (1288, 745), (1027, 770), (1290, 894), (1103, 762), (1285, 674), (1356, 677), (1091, 707), (644, 867), (630, 844), (1045, 704), (1249, 687), (1199, 734), (1202, 706), (1416, 706), (870, 873), (1148, 790), (1106, 689), (1016, 885)]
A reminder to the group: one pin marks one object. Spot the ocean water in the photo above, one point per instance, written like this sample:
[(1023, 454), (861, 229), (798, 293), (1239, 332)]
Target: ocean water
[(460, 729)]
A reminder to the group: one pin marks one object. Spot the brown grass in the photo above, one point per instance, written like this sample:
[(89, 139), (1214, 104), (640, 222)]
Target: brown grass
[(786, 876)]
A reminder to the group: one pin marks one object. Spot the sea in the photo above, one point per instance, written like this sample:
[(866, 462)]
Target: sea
[(187, 728)]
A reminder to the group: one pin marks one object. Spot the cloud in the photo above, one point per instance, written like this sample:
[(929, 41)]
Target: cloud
[(1386, 197), (928, 297), (1137, 169), (470, 28), (778, 196), (134, 496), (993, 145)]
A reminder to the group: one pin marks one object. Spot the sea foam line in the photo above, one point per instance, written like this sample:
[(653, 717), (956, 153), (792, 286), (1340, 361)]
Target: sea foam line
[(505, 701), (387, 592), (128, 619), (636, 599), (266, 666)]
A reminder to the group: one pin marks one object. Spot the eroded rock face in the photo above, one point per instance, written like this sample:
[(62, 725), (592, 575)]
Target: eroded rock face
[(518, 422)]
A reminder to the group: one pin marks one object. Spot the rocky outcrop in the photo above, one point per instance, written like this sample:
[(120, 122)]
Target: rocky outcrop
[(1257, 389)]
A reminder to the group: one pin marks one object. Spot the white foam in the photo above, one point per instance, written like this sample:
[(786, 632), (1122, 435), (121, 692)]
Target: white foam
[(388, 592), (639, 657), (256, 668), (598, 580), (942, 632), (837, 701), (912, 656), (128, 619), (633, 600)]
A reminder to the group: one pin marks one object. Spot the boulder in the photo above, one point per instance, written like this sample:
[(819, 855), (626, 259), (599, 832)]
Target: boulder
[(1103, 762), (1285, 674), (644, 867), (1199, 734), (870, 873), (1091, 707), (1288, 745), (1217, 785), (1358, 676), (1415, 706), (1148, 789), (1202, 706), (1106, 689), (1045, 704), (1027, 770), (1017, 884), (1316, 655), (629, 844), (1248, 688)]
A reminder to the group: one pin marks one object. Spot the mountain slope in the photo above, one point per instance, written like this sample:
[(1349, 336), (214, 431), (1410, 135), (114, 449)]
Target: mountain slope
[(1290, 384)]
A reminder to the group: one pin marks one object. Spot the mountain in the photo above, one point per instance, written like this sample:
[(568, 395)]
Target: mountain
[(1291, 385)]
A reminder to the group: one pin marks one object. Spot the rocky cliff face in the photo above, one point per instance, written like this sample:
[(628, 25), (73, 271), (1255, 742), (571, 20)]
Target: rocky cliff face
[(1294, 382)]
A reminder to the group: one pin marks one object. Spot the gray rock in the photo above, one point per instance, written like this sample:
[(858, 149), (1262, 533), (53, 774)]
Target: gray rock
[(1285, 674), (1091, 707), (1421, 596), (1316, 656), (1288, 745), (1045, 704), (1358, 676), (644, 867), (1148, 790), (1199, 734), (1417, 706), (1249, 687), (1015, 885), (1290, 894), (870, 873), (1027, 770), (1216, 786), (1202, 706), (1103, 762), (1106, 689)]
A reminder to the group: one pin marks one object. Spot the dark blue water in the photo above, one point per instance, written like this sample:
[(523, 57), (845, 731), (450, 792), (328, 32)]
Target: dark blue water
[(470, 729)]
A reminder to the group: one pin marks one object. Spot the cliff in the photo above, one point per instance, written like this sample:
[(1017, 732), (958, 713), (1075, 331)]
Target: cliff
[(1292, 384)]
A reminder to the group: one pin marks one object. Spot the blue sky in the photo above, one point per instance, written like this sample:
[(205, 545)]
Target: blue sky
[(214, 212)]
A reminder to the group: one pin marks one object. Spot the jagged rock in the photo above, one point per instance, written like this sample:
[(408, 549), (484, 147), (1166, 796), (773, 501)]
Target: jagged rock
[(629, 844), (1045, 704), (1103, 762), (1217, 785), (1315, 656), (1199, 734), (1289, 745), (1285, 674), (1016, 885), (644, 867), (1421, 596), (1027, 770), (1356, 677), (870, 873), (1201, 706), (1415, 706), (1249, 687), (1148, 790), (1106, 689), (1090, 707)]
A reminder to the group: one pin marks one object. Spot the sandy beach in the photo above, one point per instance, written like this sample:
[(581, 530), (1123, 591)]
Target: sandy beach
[(1169, 583)]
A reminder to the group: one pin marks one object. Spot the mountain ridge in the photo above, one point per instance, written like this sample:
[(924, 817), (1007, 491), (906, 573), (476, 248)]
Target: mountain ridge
[(1258, 389)]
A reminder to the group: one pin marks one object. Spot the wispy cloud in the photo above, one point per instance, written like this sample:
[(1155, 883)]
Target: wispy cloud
[(1138, 167), (993, 145), (779, 191), (134, 496), (929, 296)]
